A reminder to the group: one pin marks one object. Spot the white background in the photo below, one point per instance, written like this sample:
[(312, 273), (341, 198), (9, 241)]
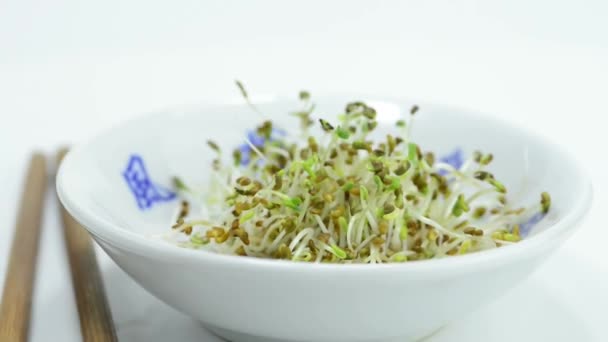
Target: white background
[(68, 69)]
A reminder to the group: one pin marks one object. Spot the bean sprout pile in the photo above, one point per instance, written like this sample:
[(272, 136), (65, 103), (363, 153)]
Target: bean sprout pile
[(342, 197)]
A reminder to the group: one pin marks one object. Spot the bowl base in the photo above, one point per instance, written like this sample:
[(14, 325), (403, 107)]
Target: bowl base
[(235, 336)]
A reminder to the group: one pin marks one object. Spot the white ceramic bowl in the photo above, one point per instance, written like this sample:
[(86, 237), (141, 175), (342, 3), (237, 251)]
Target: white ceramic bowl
[(249, 299)]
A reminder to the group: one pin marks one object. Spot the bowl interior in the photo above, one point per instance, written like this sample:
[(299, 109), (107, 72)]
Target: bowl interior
[(123, 177)]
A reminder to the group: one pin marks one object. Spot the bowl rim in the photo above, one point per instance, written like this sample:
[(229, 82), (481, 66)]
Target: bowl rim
[(114, 235)]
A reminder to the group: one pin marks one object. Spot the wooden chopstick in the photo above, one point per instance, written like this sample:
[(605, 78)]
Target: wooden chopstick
[(96, 322), (17, 294)]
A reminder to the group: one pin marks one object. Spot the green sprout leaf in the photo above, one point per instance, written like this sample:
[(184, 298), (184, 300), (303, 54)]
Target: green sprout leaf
[(343, 224), (403, 232), (498, 185), (395, 184), (337, 251), (293, 203), (247, 216), (363, 192), (348, 186), (464, 247), (399, 257), (197, 240), (342, 133), (378, 182), (412, 154)]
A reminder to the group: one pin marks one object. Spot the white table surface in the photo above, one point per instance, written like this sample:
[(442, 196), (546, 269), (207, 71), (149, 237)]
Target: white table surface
[(70, 68)]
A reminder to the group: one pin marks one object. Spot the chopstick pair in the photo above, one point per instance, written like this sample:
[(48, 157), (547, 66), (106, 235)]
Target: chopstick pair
[(96, 322)]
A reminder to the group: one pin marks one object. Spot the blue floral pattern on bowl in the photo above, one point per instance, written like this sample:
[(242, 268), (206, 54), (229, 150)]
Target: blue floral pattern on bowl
[(455, 159), (145, 191)]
